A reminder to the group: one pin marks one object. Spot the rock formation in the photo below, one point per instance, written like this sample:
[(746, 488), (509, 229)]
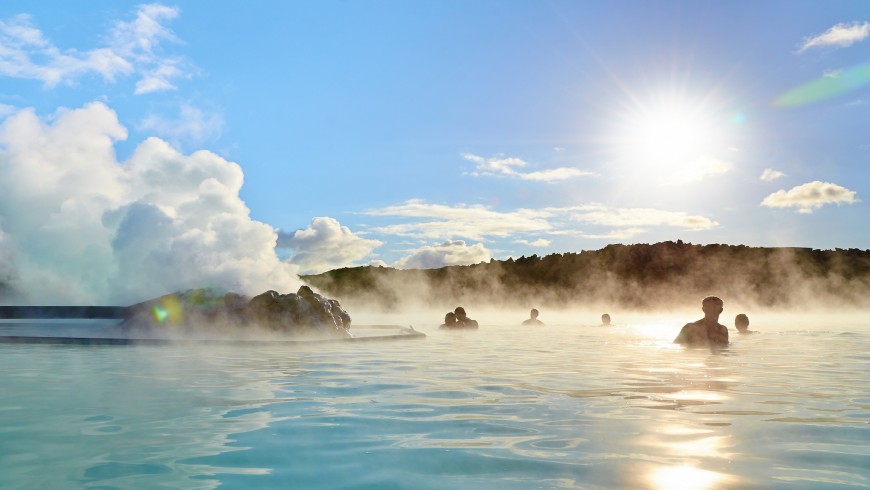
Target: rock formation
[(304, 312)]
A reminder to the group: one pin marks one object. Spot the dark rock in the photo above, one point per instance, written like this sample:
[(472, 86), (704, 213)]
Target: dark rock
[(304, 312)]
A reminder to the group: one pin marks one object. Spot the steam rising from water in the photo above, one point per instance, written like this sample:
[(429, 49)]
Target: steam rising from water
[(79, 227)]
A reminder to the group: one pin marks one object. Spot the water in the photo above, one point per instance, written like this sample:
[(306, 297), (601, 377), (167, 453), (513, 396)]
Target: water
[(507, 407)]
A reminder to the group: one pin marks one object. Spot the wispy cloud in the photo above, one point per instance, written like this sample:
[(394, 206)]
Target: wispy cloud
[(193, 125), (770, 174), (508, 167), (810, 196), (454, 252), (131, 48), (436, 221), (628, 218), (324, 245), (540, 242), (840, 35)]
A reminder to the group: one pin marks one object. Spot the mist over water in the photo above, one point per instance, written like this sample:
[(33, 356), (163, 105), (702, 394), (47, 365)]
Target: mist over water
[(78, 226), (566, 405)]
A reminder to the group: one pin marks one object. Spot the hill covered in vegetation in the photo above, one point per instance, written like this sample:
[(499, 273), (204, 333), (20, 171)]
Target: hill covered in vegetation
[(636, 277)]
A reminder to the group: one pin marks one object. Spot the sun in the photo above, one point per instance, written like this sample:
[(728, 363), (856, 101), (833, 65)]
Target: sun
[(665, 134), (672, 137)]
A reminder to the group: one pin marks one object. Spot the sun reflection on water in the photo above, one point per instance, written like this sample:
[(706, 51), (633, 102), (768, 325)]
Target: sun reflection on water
[(685, 477)]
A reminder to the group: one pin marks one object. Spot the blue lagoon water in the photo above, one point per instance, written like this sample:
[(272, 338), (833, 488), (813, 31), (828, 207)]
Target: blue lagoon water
[(507, 407)]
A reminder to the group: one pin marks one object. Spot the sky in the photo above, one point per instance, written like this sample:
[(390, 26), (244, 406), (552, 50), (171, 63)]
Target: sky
[(146, 147)]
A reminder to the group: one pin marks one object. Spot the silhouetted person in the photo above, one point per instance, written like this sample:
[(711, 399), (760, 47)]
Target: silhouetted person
[(533, 318), (450, 321), (741, 321), (605, 319), (707, 330), (464, 321)]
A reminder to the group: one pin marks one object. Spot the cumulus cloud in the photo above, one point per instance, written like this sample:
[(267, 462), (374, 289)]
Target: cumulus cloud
[(840, 35), (508, 167), (444, 254), (810, 196), (80, 227), (193, 125), (131, 48), (325, 245), (770, 174)]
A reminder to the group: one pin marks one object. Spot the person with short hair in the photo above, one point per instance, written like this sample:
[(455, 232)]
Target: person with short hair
[(741, 321), (707, 330), (605, 320), (533, 318), (463, 320)]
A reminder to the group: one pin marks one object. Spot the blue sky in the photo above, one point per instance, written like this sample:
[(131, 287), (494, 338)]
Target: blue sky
[(242, 144)]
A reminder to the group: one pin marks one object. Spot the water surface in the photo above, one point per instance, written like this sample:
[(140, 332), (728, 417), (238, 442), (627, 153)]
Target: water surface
[(507, 407)]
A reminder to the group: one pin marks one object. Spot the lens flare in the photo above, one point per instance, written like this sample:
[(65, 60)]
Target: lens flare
[(160, 313), (830, 85), (168, 311)]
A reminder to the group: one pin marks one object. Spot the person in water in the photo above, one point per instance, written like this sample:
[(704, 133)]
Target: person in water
[(450, 321), (605, 319), (741, 321), (707, 330), (533, 318), (463, 320)]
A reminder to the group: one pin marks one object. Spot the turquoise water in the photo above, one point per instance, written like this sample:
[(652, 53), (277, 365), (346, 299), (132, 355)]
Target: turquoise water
[(507, 407)]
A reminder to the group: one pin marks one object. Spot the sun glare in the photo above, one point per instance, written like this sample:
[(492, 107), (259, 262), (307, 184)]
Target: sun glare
[(671, 134), (676, 139)]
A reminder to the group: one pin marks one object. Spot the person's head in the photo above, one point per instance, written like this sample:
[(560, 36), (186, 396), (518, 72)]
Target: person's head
[(449, 318), (533, 313), (741, 321), (605, 319), (460, 313), (712, 306)]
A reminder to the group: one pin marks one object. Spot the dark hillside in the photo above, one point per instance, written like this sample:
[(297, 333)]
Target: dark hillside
[(640, 276)]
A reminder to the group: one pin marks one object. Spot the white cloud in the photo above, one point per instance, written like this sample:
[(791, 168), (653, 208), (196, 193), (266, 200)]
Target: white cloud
[(841, 35), (436, 221), (325, 245), (508, 167), (540, 242), (443, 222), (444, 254), (621, 234), (810, 196), (193, 125), (81, 227), (770, 174), (598, 214), (132, 48)]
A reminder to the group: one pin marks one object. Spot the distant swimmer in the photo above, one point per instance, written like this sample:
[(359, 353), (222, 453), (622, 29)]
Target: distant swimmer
[(707, 330), (450, 321), (605, 319), (533, 318), (741, 321), (463, 320)]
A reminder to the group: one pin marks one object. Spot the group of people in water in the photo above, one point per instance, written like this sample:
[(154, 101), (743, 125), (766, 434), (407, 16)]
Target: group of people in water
[(708, 331), (458, 319), (704, 332)]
